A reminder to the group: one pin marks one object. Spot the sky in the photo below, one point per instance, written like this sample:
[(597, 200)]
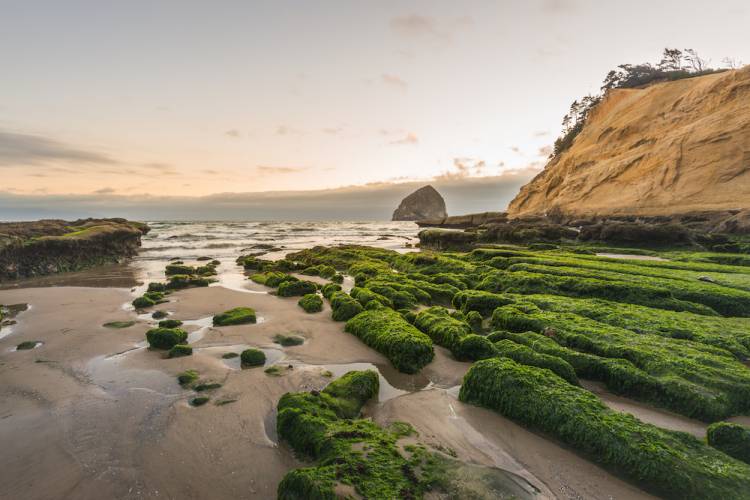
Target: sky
[(168, 103)]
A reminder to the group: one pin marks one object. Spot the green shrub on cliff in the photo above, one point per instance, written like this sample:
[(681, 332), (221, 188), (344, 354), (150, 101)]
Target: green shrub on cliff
[(236, 316), (732, 439), (165, 338), (669, 464), (311, 303), (388, 333)]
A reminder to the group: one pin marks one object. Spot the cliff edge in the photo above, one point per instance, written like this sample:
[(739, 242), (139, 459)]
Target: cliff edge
[(670, 148)]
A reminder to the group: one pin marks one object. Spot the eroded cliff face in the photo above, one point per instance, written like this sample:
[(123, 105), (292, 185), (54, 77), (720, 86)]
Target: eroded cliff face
[(51, 246), (670, 148)]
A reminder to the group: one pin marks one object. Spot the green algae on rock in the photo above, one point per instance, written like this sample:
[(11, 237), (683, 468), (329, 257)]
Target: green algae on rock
[(732, 439), (180, 350), (252, 357), (666, 463), (118, 324), (311, 303), (387, 332), (187, 377), (165, 338), (170, 323), (296, 288), (236, 316)]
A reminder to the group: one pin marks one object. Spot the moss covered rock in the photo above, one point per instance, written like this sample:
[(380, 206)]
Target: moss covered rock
[(311, 303), (388, 333), (236, 316), (180, 350), (165, 338), (683, 467), (344, 307), (296, 288), (187, 377), (732, 439), (252, 357), (170, 323)]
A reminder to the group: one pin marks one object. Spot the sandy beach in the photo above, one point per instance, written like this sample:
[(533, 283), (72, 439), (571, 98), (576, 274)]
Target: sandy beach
[(92, 413)]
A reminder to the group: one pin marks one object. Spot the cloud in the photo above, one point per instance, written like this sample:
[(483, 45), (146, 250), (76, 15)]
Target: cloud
[(410, 139), (263, 169), (332, 130), (464, 168), (515, 149), (414, 25), (371, 202), (541, 133), (559, 6), (287, 130), (234, 133), (545, 151), (394, 81), (17, 149), (160, 168), (105, 190)]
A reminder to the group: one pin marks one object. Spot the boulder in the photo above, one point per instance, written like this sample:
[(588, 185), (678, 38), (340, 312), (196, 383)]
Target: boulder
[(424, 203)]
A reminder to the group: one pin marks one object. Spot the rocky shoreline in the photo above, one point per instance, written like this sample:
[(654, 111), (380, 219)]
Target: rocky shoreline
[(719, 231), (50, 246)]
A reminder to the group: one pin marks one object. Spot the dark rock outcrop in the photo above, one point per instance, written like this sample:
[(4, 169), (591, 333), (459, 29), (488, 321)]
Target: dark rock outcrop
[(52, 246), (464, 221), (424, 203)]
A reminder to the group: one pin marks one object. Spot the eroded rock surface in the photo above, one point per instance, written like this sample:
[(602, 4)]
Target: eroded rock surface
[(424, 203)]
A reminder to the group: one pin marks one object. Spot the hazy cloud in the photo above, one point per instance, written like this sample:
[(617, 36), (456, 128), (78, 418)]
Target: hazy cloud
[(414, 25), (105, 190), (332, 130), (394, 81), (371, 202), (234, 133), (18, 149), (279, 170), (287, 130), (559, 6), (410, 139)]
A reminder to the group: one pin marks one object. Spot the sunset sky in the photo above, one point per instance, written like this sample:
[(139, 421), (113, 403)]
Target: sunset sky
[(193, 98)]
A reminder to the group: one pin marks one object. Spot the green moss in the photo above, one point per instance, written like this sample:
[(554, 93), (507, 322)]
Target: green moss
[(443, 329), (273, 371), (296, 288), (669, 464), (165, 338), (365, 296), (170, 323), (322, 270), (229, 355), (288, 340), (119, 324), (344, 307), (180, 350), (207, 386), (253, 357), (173, 269), (693, 379), (159, 314), (155, 286), (181, 281), (272, 278), (199, 400), (143, 302), (311, 303), (388, 333), (526, 356), (187, 377), (473, 347), (476, 300), (329, 290), (732, 439), (236, 316), (475, 321), (26, 345)]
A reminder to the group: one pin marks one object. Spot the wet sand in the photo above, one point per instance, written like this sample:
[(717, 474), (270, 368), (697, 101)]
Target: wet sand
[(92, 413)]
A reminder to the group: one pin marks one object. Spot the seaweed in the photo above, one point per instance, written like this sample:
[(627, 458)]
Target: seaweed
[(165, 338), (387, 332), (252, 357), (236, 316), (732, 439), (666, 463), (311, 303)]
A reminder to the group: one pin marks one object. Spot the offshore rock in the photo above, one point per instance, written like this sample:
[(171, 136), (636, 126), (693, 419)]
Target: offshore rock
[(424, 203)]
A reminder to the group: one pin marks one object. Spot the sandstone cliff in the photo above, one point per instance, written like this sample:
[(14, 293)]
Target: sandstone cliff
[(424, 203), (670, 148), (50, 246)]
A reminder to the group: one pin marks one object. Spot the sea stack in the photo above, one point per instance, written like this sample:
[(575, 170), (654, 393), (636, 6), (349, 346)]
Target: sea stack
[(424, 203)]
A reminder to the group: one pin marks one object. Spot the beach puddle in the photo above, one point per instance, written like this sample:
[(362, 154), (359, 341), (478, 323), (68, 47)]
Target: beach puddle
[(392, 382), (113, 376), (649, 414), (9, 313)]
